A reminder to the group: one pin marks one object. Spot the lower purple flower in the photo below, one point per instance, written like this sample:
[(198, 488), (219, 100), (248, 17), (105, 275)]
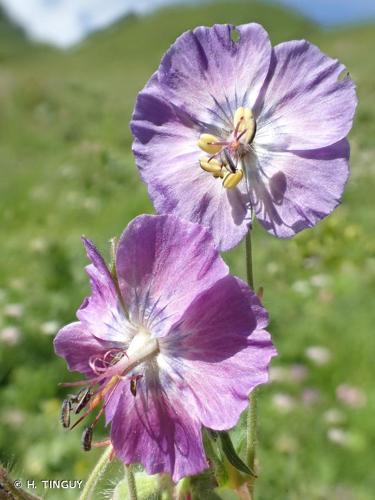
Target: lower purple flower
[(172, 344)]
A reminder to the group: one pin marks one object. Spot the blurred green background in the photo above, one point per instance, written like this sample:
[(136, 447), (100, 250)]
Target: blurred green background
[(66, 169)]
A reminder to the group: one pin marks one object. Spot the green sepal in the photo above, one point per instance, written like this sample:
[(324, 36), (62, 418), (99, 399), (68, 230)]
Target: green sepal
[(232, 456)]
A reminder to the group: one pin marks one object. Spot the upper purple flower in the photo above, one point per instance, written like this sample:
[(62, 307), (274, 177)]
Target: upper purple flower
[(225, 129), (173, 344)]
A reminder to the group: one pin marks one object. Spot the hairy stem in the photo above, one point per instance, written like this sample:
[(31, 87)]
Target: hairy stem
[(100, 467), (132, 488)]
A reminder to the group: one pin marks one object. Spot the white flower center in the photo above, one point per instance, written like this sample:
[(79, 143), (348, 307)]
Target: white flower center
[(141, 347)]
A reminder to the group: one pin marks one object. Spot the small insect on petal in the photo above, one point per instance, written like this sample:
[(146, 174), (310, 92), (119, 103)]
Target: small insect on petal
[(207, 142), (133, 387), (133, 384), (87, 438), (244, 123), (65, 413), (231, 180), (213, 166)]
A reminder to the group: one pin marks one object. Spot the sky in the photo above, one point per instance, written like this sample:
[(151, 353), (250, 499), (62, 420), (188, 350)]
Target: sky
[(66, 22), (333, 12)]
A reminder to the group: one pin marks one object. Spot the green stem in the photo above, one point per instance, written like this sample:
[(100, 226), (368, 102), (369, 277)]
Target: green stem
[(100, 467), (249, 260), (251, 434), (132, 488)]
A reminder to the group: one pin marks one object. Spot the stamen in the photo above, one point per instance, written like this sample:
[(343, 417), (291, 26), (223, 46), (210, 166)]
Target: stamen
[(209, 144), (65, 413), (87, 438), (96, 399), (213, 166), (244, 124), (98, 444), (231, 180), (83, 397)]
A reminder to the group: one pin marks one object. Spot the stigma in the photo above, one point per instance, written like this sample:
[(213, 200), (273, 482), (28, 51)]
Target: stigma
[(226, 153)]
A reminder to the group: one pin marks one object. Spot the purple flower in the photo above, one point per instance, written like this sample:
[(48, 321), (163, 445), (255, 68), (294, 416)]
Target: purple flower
[(225, 129), (173, 344)]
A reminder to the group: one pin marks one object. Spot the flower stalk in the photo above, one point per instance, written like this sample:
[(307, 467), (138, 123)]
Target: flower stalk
[(251, 426), (96, 474), (132, 488)]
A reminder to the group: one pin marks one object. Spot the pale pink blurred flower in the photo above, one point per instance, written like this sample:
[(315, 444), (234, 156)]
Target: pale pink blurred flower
[(291, 374), (311, 396), (319, 280), (284, 403), (334, 416), (10, 335), (279, 374), (14, 418), (50, 327), (13, 310), (351, 396), (299, 372), (301, 287), (318, 354), (338, 436)]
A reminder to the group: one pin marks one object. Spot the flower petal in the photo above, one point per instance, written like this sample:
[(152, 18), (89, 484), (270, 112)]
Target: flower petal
[(209, 75), (292, 191), (76, 345), (306, 105), (163, 263), (155, 429), (102, 312), (219, 353)]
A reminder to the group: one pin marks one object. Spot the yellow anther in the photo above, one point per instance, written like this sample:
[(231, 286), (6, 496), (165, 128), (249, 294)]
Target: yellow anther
[(244, 123), (232, 179), (213, 166), (207, 143)]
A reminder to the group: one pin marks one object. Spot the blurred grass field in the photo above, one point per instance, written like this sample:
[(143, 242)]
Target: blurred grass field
[(66, 170)]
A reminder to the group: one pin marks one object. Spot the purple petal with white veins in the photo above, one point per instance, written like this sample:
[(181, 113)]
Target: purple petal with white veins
[(162, 264), (306, 105), (102, 312), (157, 430), (292, 191), (209, 75)]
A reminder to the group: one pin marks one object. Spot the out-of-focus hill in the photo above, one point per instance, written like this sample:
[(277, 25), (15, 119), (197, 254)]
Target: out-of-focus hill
[(66, 169)]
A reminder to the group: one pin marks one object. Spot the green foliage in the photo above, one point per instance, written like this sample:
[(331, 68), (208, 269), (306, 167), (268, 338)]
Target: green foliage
[(67, 170)]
